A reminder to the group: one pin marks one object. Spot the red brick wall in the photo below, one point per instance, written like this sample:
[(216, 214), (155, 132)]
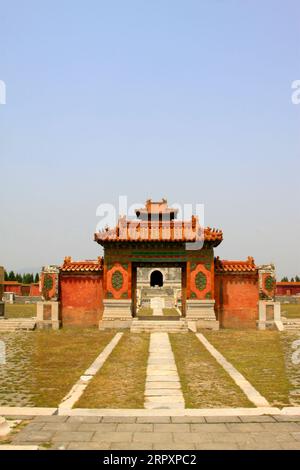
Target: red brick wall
[(287, 288), (237, 298), (81, 298), (16, 288), (34, 290), (25, 289)]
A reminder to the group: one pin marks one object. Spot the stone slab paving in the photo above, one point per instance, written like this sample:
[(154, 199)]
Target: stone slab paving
[(14, 377), (157, 304), (163, 389), (161, 432)]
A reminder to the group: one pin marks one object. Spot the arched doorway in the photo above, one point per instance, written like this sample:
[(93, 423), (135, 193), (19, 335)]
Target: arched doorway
[(156, 279)]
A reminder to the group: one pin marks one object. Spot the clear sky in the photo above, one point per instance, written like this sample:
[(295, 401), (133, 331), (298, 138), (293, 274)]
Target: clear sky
[(189, 100)]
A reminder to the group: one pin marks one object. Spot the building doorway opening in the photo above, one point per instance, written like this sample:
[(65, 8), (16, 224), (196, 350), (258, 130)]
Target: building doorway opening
[(156, 279), (159, 291)]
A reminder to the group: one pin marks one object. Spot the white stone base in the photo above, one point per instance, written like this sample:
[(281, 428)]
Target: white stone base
[(54, 322), (202, 313), (275, 322), (117, 314)]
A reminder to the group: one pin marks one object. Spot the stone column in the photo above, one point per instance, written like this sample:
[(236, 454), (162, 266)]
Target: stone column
[(269, 322), (48, 320), (267, 303), (202, 313)]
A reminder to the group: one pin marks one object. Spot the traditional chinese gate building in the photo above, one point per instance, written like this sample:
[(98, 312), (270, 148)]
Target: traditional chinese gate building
[(157, 239), (214, 292)]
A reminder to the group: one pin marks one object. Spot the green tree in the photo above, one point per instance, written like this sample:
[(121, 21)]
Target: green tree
[(27, 278), (5, 276), (11, 276), (37, 278), (297, 279), (285, 279), (292, 279), (19, 278)]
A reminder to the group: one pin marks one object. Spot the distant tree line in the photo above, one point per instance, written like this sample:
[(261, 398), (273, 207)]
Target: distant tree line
[(26, 278), (293, 279)]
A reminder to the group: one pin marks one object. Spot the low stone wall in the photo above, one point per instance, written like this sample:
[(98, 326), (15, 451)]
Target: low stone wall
[(22, 299), (288, 299)]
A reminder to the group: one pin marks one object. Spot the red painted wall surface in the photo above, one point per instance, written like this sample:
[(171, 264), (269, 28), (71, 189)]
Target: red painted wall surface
[(13, 286), (287, 288), (125, 290), (237, 298), (34, 290), (81, 299), (25, 289), (208, 273)]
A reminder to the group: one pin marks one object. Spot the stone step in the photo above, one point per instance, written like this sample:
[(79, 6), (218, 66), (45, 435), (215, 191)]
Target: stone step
[(165, 326), (291, 324), (13, 324), (152, 330), (16, 321), (160, 318)]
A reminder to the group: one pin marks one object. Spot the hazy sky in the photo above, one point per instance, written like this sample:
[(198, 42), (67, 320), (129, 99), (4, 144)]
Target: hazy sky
[(189, 100)]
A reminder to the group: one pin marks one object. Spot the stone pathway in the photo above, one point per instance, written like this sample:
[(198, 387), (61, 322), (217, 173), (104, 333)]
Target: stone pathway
[(157, 306), (161, 432), (163, 389)]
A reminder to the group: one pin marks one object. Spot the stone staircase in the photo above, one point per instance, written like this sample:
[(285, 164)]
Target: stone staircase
[(163, 326), (291, 324), (14, 324)]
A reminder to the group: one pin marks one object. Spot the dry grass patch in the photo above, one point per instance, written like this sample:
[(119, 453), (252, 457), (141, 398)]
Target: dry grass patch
[(170, 312), (259, 356), (42, 366), (204, 382), (290, 310), (145, 312), (20, 310), (121, 381)]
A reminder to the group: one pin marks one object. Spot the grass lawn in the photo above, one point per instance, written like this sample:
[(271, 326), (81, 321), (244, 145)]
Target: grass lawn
[(290, 310), (145, 312), (204, 382), (121, 381), (43, 365), (20, 310), (170, 312), (260, 357)]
